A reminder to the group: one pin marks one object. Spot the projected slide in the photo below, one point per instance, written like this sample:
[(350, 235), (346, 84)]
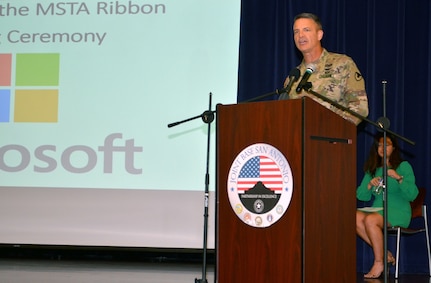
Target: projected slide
[(88, 88)]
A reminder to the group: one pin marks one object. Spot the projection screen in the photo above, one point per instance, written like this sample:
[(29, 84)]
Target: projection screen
[(87, 90)]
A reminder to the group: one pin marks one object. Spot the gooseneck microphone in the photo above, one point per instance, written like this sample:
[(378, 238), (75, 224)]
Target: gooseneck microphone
[(294, 75), (310, 69)]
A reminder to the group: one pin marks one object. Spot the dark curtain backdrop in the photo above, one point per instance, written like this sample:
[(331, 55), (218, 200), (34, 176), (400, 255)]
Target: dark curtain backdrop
[(389, 40)]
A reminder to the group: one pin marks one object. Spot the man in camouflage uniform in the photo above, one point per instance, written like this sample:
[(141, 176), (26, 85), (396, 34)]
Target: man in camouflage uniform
[(335, 76)]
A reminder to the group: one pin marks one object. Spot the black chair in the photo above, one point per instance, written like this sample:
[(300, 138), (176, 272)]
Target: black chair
[(419, 210)]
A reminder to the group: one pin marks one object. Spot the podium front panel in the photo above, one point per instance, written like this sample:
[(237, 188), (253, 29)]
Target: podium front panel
[(299, 246), (246, 253)]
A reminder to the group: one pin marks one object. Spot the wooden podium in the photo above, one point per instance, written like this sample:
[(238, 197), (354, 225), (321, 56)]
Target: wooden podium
[(315, 239)]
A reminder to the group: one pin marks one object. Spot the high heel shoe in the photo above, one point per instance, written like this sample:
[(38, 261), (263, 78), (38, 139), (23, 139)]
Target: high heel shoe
[(391, 259), (379, 275), (375, 275)]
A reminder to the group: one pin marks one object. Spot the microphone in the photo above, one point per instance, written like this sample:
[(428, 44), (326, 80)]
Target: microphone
[(310, 69), (294, 75)]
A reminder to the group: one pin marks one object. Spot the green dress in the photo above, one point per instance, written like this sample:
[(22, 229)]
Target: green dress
[(399, 195)]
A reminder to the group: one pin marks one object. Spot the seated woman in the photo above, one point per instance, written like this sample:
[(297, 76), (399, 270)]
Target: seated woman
[(401, 190)]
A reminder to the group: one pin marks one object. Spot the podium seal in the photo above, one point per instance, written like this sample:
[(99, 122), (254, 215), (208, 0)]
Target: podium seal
[(260, 185)]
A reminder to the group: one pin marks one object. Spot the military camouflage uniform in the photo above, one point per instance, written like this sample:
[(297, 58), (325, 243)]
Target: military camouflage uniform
[(336, 77)]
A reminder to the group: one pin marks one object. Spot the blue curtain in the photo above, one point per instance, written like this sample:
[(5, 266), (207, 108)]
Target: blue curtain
[(389, 40)]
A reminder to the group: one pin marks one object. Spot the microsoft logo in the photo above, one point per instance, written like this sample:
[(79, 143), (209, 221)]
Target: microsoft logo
[(32, 94)]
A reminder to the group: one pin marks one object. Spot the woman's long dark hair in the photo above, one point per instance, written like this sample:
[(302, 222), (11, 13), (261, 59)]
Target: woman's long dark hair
[(374, 160)]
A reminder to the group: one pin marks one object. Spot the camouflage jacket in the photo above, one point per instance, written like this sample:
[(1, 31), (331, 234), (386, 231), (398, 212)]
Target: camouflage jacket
[(336, 77)]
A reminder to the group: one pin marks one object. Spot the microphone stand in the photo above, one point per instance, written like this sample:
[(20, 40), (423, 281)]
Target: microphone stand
[(383, 125), (276, 92), (207, 117), (294, 75), (385, 193)]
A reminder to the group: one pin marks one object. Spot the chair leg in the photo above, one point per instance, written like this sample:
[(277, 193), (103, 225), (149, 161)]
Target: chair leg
[(397, 257), (424, 213)]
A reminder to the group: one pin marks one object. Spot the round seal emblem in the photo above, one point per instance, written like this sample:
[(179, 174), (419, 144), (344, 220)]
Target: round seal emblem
[(260, 185)]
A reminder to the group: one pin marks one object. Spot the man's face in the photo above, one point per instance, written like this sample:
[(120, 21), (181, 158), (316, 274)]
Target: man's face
[(307, 35)]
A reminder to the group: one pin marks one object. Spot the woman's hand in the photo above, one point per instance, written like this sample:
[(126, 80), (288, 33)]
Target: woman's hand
[(393, 174), (374, 182)]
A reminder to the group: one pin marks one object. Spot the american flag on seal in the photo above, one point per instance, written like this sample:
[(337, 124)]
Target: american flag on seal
[(260, 168)]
